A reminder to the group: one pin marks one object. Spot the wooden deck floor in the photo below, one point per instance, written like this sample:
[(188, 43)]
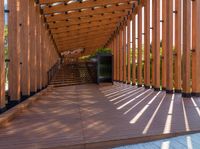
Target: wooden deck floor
[(92, 116)]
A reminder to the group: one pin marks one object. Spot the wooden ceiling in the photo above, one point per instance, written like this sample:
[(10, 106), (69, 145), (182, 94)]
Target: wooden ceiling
[(86, 24)]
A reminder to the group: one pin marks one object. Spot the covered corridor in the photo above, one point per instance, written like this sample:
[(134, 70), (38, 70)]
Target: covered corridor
[(48, 98)]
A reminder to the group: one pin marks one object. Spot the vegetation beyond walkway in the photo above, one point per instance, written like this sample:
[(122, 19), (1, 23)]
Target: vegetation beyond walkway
[(92, 116)]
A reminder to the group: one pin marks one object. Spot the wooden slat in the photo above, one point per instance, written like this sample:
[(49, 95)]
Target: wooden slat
[(169, 44), (118, 56), (133, 51), (195, 47), (124, 55), (32, 28), (89, 12), (121, 53), (139, 60), (186, 47), (177, 73), (25, 47), (128, 52), (164, 50), (76, 6), (14, 51), (156, 43), (2, 63), (52, 1), (147, 43)]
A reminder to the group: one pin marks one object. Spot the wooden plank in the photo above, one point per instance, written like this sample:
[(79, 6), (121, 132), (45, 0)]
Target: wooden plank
[(139, 57), (133, 51), (164, 50), (178, 26), (76, 6), (169, 45), (121, 54), (14, 51), (124, 55), (118, 56), (2, 57), (128, 52), (147, 43), (186, 47), (52, 1), (195, 47), (25, 48), (32, 30), (156, 44)]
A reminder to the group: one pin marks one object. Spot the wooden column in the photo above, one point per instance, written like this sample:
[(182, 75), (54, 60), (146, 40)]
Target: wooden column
[(186, 47), (139, 60), (164, 50), (14, 51), (121, 54), (128, 52), (115, 64), (147, 43), (169, 46), (118, 56), (33, 56), (133, 51), (196, 48), (177, 55), (156, 43), (25, 48), (2, 58), (124, 55)]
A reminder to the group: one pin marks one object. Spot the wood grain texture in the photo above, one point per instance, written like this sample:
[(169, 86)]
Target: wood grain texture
[(133, 50), (128, 52), (124, 54)]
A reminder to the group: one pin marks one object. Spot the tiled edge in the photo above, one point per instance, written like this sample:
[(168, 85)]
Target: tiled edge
[(13, 112)]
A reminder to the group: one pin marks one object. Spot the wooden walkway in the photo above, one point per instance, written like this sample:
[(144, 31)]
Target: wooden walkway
[(92, 117)]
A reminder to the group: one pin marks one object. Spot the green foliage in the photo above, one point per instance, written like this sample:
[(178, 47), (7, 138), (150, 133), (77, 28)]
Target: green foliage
[(103, 51)]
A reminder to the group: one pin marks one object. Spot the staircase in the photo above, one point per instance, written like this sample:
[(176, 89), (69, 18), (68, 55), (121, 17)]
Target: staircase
[(73, 74)]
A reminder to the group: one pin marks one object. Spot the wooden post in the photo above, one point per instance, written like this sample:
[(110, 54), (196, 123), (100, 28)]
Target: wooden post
[(147, 43), (177, 75), (114, 56), (169, 45), (124, 55), (121, 54), (164, 50), (2, 58), (133, 51), (33, 68), (14, 51), (128, 51), (196, 48), (186, 47), (118, 56), (25, 48), (139, 60)]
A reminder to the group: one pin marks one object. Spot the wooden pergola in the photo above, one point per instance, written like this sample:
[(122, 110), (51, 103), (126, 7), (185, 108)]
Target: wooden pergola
[(39, 30)]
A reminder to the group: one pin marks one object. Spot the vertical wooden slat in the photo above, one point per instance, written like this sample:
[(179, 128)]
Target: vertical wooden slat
[(156, 43), (164, 50), (128, 52), (177, 73), (121, 54), (133, 51), (25, 48), (2, 57), (169, 45), (196, 48), (139, 60), (118, 57), (186, 47), (33, 68), (147, 43), (115, 52), (14, 51), (124, 55)]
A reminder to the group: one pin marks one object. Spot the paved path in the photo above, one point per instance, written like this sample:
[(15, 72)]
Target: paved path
[(92, 116)]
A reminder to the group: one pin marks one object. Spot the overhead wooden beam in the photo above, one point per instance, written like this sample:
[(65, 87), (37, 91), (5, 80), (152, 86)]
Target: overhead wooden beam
[(2, 59), (52, 1), (14, 51), (186, 48)]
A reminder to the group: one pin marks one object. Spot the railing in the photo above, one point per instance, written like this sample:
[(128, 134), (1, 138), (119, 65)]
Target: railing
[(52, 71)]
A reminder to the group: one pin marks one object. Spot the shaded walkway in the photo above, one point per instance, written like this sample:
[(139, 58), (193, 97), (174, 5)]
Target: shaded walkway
[(92, 116)]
